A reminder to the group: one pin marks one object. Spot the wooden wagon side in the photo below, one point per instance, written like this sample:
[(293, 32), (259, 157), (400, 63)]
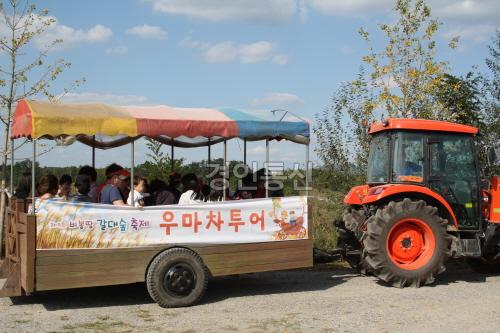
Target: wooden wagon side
[(17, 273), (27, 269)]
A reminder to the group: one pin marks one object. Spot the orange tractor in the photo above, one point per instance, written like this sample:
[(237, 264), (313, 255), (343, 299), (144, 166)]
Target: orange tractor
[(425, 201)]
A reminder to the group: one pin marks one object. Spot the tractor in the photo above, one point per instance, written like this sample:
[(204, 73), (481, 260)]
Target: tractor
[(426, 200)]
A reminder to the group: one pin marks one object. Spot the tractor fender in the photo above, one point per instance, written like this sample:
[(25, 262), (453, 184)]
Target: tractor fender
[(378, 193)]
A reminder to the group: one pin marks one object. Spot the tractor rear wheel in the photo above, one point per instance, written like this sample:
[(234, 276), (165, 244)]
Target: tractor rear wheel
[(406, 243)]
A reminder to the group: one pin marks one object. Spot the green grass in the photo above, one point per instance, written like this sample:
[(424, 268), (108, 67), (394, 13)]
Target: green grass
[(326, 207)]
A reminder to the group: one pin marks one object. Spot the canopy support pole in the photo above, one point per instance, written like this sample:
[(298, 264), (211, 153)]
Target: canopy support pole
[(172, 157), (267, 168), (33, 178), (225, 171), (209, 160), (12, 166), (93, 151), (307, 170), (132, 164), (245, 151)]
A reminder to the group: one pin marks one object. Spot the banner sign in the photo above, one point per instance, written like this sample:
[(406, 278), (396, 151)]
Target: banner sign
[(62, 224)]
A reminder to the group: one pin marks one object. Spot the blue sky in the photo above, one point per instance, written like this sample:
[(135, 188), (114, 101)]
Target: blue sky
[(255, 54)]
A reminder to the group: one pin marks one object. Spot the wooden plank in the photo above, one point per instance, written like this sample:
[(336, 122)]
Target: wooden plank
[(29, 259), (263, 268), (60, 280), (112, 262), (74, 268), (201, 248), (96, 256)]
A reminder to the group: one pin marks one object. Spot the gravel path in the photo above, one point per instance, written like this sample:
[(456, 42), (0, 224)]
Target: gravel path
[(325, 299)]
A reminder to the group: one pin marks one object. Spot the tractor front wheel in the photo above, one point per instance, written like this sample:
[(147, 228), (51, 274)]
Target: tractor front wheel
[(406, 243)]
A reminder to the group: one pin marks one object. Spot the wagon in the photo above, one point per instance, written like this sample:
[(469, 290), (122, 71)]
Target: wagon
[(54, 245)]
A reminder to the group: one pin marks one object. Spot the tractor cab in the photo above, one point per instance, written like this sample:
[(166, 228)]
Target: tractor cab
[(437, 156)]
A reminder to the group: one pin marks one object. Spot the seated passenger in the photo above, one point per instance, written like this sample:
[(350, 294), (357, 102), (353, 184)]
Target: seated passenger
[(92, 174), (113, 192), (139, 192), (261, 184), (192, 193), (23, 189), (215, 191), (47, 187), (246, 187), (174, 182), (160, 194), (110, 170), (82, 184), (64, 191)]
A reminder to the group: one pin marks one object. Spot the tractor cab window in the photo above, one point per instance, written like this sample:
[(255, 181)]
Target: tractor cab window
[(408, 158), (378, 160), (453, 174)]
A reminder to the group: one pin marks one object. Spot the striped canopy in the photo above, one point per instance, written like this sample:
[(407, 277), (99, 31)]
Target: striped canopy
[(105, 126)]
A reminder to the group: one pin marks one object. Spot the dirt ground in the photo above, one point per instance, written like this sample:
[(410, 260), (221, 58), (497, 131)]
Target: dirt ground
[(328, 298)]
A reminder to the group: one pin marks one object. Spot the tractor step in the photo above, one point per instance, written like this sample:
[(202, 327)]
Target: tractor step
[(470, 248)]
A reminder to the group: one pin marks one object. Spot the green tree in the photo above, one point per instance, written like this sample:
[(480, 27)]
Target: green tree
[(397, 81), (159, 165), (491, 104)]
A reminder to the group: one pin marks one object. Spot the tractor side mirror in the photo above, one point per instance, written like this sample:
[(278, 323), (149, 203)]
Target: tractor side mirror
[(492, 156)]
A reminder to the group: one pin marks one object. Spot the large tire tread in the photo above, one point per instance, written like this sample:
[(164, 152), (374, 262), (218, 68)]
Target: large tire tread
[(374, 256), (154, 270)]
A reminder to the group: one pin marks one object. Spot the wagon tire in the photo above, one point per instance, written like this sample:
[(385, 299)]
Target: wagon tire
[(282, 235), (176, 278), (406, 243)]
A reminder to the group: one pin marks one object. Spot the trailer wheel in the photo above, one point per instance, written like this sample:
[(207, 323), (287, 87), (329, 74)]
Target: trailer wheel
[(406, 243), (177, 277)]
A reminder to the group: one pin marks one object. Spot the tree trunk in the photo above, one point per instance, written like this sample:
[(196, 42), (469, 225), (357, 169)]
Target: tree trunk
[(3, 210)]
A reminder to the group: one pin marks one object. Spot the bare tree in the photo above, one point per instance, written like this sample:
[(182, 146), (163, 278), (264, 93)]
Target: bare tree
[(23, 76)]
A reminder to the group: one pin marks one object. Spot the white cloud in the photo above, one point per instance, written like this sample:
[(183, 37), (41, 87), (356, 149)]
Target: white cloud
[(467, 18), (93, 97), (351, 7), (228, 51), (280, 59), (72, 37), (470, 19), (278, 99), (477, 33), (118, 50), (147, 32), (475, 11), (262, 150), (261, 11), (54, 30)]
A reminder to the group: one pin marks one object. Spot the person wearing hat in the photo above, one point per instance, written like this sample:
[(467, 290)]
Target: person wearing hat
[(82, 184), (116, 188)]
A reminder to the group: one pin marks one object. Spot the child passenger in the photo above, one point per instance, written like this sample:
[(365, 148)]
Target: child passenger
[(82, 184), (139, 192), (64, 187)]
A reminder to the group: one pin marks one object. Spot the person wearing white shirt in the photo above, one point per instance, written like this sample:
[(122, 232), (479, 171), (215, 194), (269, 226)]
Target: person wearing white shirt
[(139, 192), (192, 193)]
